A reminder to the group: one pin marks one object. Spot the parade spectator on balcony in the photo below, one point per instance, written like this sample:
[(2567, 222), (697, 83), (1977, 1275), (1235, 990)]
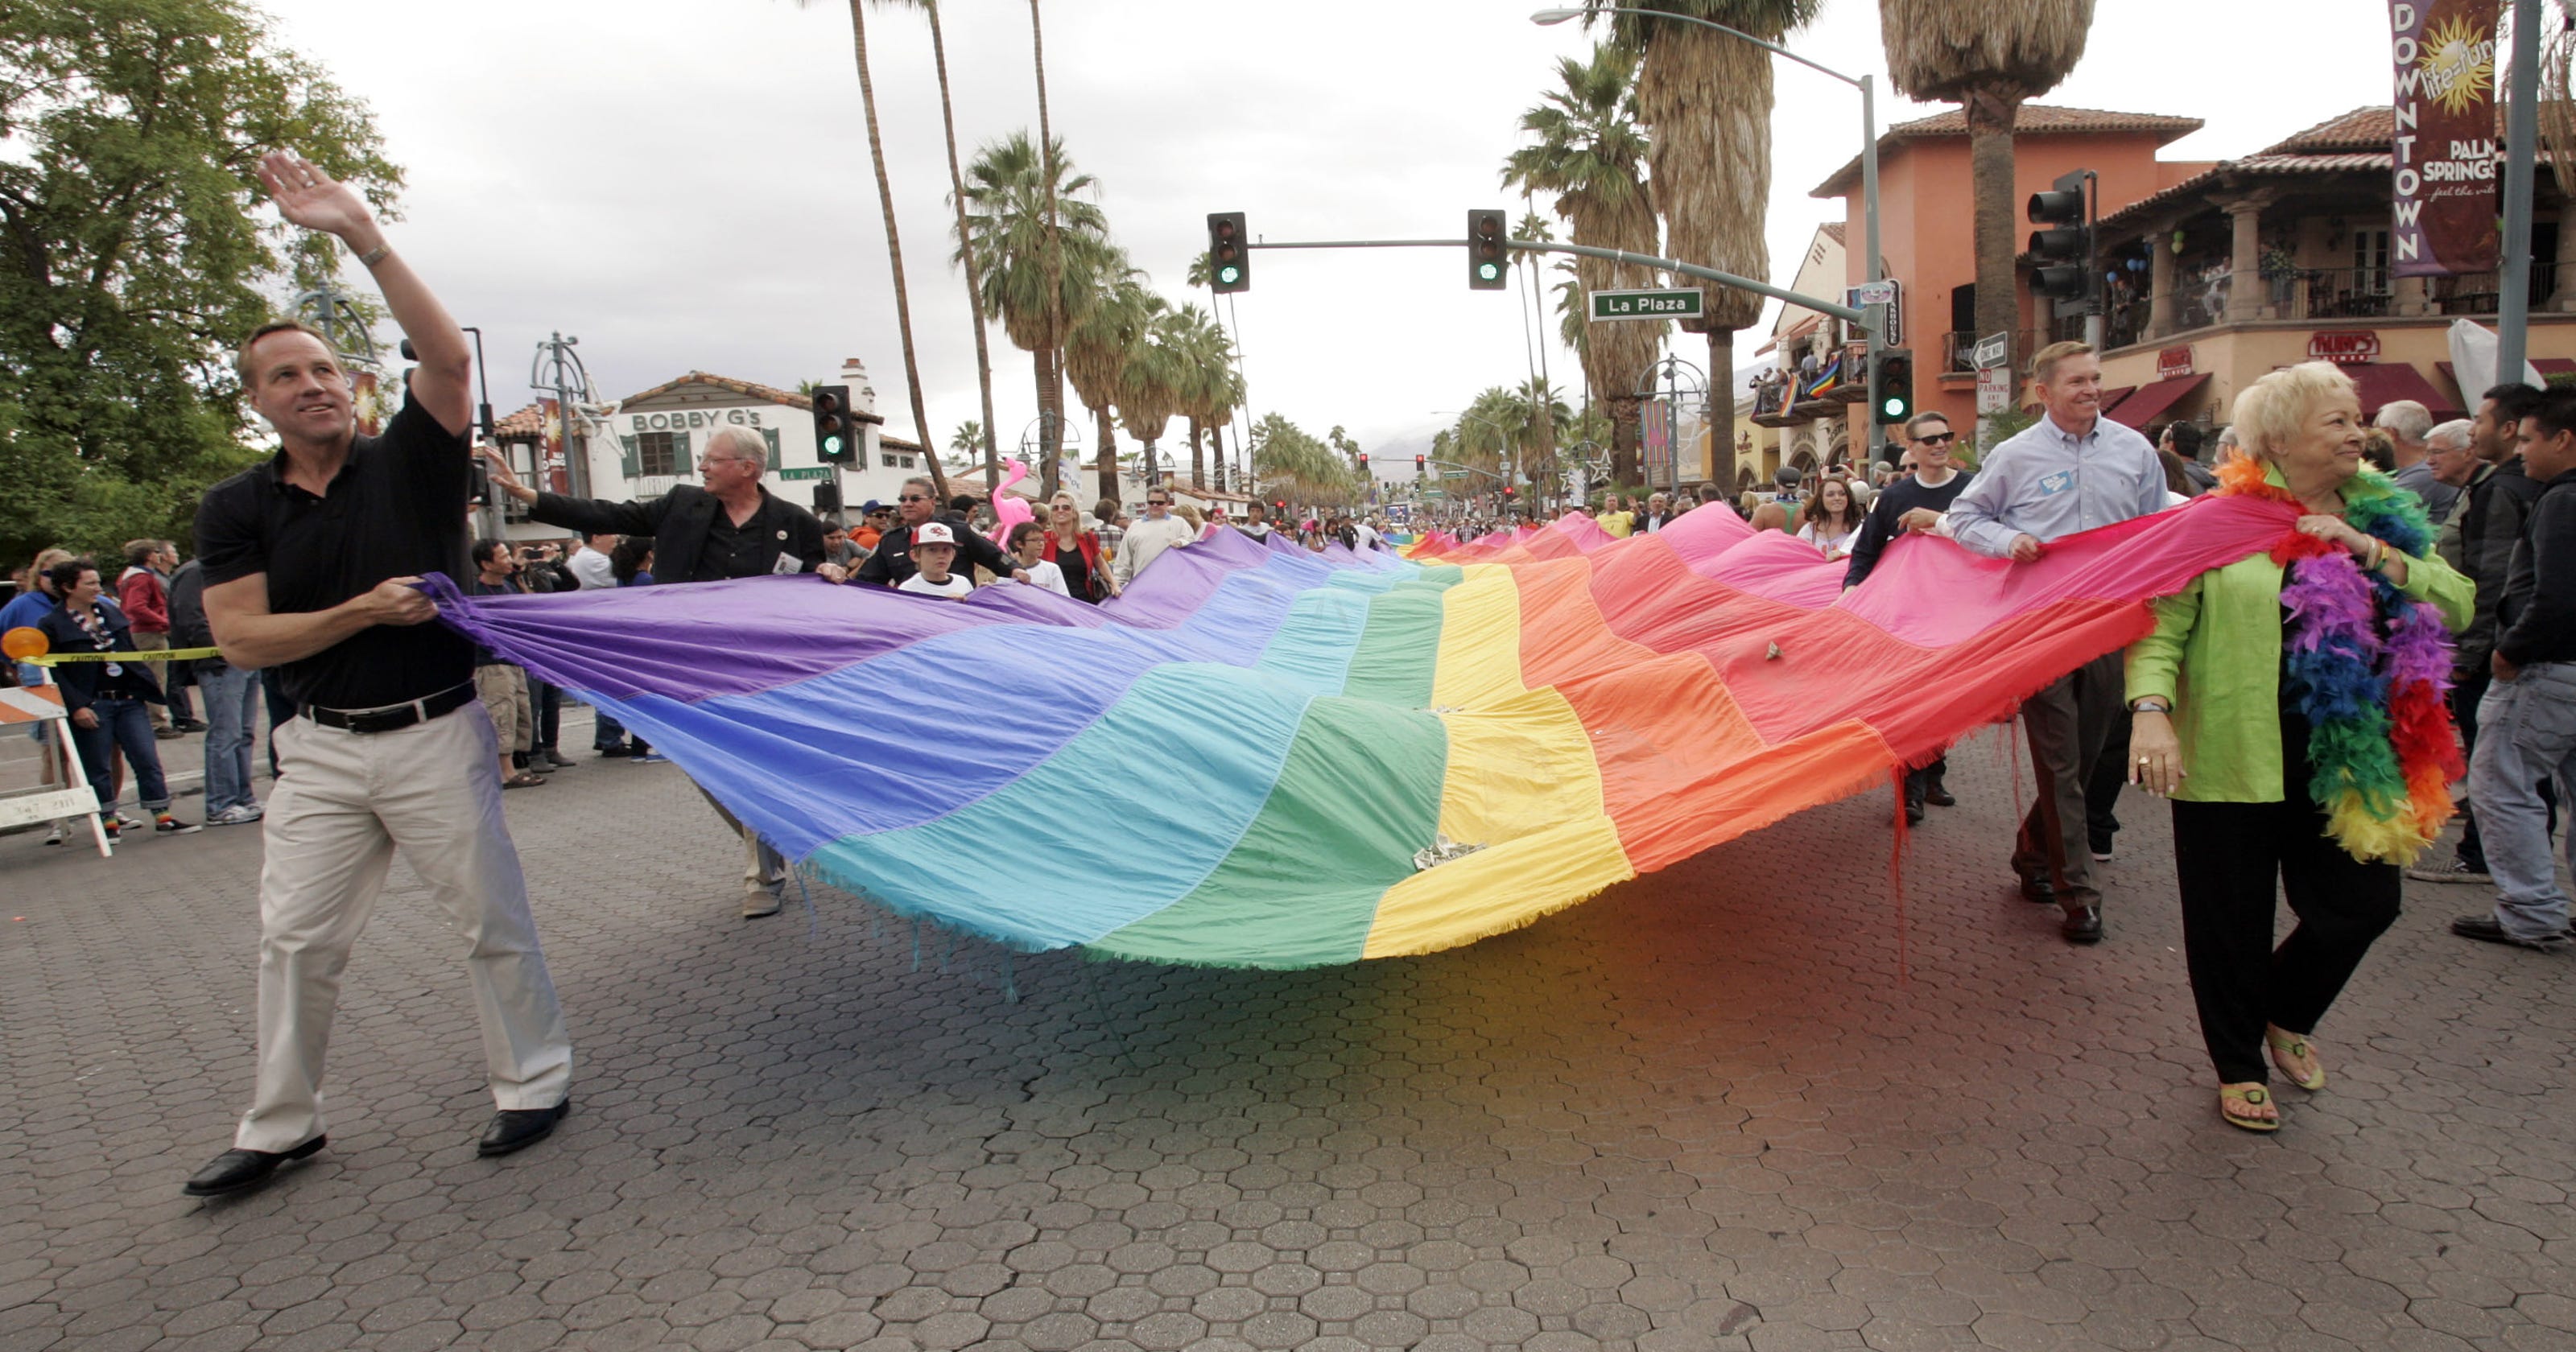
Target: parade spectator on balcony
[(2070, 471), (2529, 712), (2246, 720), (1834, 520)]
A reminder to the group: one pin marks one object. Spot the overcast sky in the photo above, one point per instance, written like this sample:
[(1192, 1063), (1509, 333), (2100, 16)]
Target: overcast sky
[(684, 184)]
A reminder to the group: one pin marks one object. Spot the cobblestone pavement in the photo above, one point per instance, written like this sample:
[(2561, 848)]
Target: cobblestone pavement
[(1746, 1103)]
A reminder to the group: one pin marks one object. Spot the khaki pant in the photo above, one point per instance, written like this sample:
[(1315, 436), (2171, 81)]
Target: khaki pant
[(156, 643), (343, 803), (503, 689)]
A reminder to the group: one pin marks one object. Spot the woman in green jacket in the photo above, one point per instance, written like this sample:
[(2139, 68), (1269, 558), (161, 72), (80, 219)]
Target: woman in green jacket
[(2291, 705)]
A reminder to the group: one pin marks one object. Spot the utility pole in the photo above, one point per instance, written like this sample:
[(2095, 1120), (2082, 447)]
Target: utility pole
[(558, 368), (2521, 146)]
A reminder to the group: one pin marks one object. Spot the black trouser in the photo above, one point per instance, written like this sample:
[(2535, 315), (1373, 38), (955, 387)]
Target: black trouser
[(2232, 860), (545, 705), (1918, 783), (2110, 775), (2464, 712)]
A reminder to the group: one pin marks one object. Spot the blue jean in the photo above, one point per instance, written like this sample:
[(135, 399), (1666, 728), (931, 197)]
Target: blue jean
[(606, 733), (232, 728), (125, 723), (2526, 733)]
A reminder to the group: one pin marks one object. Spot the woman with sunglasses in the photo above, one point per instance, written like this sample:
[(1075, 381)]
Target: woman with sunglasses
[(1076, 552)]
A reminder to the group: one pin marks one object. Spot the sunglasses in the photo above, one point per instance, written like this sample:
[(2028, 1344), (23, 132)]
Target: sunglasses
[(1942, 439), (914, 497)]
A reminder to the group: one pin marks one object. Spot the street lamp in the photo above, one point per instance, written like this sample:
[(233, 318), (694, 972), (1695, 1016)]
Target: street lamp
[(1669, 370), (1868, 87)]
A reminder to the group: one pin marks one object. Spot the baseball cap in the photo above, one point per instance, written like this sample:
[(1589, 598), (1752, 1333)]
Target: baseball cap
[(873, 506), (933, 533)]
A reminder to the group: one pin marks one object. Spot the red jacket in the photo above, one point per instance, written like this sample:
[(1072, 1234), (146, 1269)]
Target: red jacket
[(1090, 546), (145, 601)]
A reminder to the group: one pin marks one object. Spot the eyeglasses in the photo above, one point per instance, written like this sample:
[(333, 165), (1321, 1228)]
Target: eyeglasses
[(1937, 439), (914, 497), (1158, 502)]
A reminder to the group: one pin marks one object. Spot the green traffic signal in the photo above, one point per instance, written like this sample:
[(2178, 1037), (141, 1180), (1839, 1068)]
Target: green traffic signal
[(1229, 275), (831, 447), (1488, 271)]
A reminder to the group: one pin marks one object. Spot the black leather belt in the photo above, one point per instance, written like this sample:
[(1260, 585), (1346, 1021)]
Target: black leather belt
[(393, 717)]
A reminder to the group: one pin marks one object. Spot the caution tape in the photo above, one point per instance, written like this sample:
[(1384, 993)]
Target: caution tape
[(148, 655)]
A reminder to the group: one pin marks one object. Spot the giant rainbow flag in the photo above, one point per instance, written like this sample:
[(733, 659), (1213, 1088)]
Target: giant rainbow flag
[(1264, 757)]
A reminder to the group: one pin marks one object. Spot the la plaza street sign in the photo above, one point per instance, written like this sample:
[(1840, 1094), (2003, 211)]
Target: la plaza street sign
[(1664, 304)]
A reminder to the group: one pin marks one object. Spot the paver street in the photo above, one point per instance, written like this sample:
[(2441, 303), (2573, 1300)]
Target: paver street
[(1703, 1111)]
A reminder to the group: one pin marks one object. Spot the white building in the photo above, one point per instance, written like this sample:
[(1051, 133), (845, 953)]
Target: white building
[(654, 438)]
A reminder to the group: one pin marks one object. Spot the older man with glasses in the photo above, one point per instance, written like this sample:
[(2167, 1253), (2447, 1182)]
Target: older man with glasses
[(892, 564), (1146, 540)]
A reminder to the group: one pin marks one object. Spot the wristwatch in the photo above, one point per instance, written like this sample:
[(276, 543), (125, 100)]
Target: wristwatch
[(2149, 705)]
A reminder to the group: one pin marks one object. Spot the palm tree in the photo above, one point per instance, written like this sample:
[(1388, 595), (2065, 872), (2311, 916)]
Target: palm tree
[(1706, 97), (1096, 351), (974, 282), (1590, 153), (1037, 281), (1300, 468), (968, 439), (1988, 58), (894, 242), (1209, 383), (1057, 317), (1151, 383)]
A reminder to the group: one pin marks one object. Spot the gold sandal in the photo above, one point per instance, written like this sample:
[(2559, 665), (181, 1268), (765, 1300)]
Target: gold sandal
[(2234, 1101), (2291, 1047)]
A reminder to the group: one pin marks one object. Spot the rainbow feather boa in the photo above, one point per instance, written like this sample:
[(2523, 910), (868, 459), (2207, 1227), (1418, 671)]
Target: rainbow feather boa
[(2368, 668)]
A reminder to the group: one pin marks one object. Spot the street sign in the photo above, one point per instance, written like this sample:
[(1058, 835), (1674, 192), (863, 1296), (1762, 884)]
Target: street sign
[(1992, 351), (1994, 389), (1873, 293), (1664, 304), (1453, 474)]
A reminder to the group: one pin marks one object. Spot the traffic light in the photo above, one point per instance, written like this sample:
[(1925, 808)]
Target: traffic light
[(827, 498), (1363, 462), (2063, 247), (1229, 263), (1420, 465), (836, 439), (1485, 266), (1891, 386)]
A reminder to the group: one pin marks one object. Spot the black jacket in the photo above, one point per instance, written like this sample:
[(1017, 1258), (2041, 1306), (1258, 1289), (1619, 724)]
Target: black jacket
[(678, 522), (2538, 617), (80, 680), (892, 562), (2486, 523)]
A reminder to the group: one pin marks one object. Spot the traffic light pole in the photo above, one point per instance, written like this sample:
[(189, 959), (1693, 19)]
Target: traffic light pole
[(1673, 265)]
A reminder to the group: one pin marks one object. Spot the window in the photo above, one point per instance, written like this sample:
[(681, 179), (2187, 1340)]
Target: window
[(661, 453), (2370, 262), (888, 457)]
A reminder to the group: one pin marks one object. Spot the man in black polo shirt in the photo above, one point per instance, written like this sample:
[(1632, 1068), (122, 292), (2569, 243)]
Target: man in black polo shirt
[(310, 563), (1915, 504), (892, 562)]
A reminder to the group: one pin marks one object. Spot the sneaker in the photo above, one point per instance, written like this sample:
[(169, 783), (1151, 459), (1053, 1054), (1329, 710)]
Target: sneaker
[(127, 822), (649, 758), (166, 825), (168, 734), (2101, 842), (2452, 872), (239, 814), (618, 752), (190, 725), (114, 828), (2487, 929), (55, 835)]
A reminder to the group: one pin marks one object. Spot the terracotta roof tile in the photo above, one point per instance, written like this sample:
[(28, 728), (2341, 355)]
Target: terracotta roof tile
[(2035, 119), (525, 425)]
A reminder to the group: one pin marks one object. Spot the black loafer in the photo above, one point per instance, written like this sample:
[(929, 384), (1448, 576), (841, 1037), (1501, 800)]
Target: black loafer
[(237, 1170), (2083, 925), (2039, 890), (1938, 796), (518, 1128)]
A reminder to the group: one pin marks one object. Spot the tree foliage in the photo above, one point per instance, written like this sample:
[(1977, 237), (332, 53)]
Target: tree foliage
[(131, 260), (1297, 465)]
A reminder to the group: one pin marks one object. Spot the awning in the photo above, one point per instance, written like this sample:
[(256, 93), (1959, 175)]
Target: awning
[(2112, 397), (2386, 382), (2150, 402)]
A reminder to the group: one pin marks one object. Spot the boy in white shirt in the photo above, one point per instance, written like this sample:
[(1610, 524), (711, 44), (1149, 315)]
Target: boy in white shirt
[(1028, 544), (934, 548)]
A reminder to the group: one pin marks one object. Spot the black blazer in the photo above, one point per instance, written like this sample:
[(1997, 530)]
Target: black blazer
[(80, 680), (678, 522)]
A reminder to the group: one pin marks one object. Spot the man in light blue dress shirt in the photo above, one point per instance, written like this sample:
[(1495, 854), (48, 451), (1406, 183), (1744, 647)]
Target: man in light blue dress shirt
[(2073, 470)]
